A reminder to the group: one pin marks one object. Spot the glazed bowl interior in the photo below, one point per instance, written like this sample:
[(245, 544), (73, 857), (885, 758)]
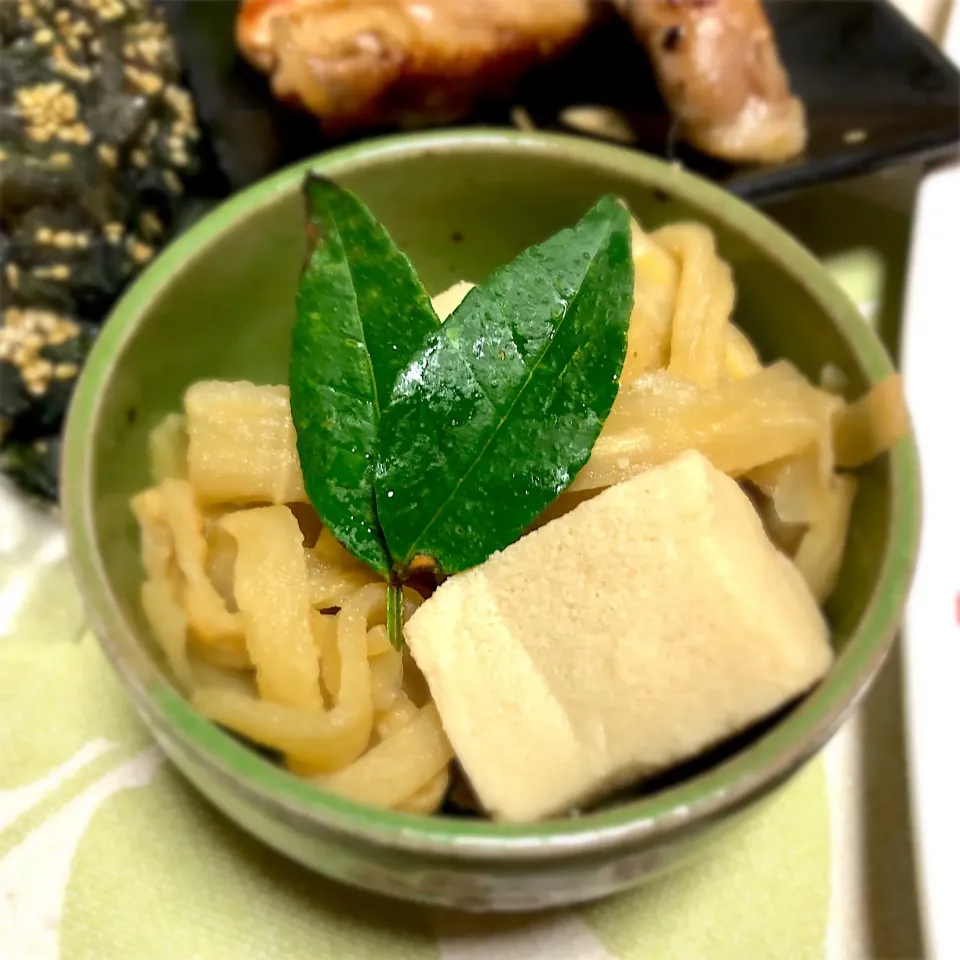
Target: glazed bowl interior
[(219, 304)]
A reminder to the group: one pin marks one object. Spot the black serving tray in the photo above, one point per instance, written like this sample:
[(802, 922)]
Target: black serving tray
[(878, 93)]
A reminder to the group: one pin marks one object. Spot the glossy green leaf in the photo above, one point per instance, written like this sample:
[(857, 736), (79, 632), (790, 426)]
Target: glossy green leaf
[(495, 415), (361, 314)]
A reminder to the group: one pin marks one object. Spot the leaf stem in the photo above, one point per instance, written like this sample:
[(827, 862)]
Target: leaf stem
[(395, 615)]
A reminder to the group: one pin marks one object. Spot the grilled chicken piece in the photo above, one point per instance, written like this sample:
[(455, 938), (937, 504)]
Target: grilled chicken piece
[(359, 63), (718, 69)]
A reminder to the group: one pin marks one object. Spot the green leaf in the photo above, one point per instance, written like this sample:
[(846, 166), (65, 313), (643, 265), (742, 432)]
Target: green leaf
[(497, 412), (361, 314)]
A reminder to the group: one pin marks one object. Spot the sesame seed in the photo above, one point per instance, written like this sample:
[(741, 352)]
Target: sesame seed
[(60, 159), (40, 367), (43, 235), (13, 276), (151, 49), (63, 64), (855, 136), (107, 10), (108, 154), (144, 80), (138, 158), (179, 100), (113, 231), (172, 181), (56, 271), (75, 133), (43, 36), (150, 223), (147, 28), (64, 371), (141, 252)]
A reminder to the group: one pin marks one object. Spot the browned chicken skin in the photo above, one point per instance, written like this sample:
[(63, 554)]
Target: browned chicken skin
[(718, 69), (357, 63), (361, 63)]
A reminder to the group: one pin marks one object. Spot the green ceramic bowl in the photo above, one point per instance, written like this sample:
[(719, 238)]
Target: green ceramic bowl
[(219, 303)]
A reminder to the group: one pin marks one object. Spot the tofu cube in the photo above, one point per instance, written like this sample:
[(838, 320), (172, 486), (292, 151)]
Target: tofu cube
[(648, 624)]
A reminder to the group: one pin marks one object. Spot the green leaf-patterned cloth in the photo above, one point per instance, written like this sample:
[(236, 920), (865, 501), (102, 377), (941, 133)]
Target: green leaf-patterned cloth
[(106, 853)]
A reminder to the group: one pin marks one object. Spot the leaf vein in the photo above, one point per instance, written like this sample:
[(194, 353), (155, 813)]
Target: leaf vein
[(356, 303)]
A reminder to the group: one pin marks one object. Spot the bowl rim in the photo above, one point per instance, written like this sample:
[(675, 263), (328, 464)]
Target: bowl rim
[(688, 805)]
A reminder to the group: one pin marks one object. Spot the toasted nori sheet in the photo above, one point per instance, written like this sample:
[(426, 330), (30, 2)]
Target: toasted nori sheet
[(99, 149)]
